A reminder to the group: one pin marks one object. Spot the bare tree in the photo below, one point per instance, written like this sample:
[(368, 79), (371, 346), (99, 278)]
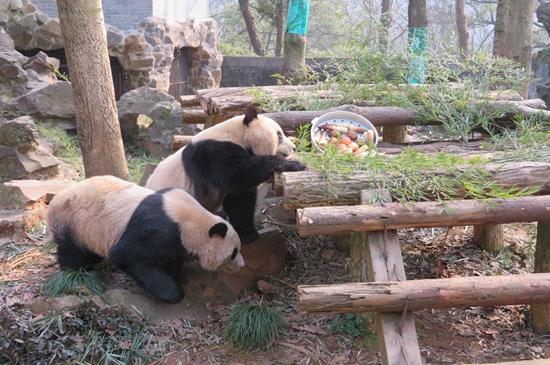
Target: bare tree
[(385, 21), (251, 27), (279, 24), (94, 95), (514, 32), (462, 27)]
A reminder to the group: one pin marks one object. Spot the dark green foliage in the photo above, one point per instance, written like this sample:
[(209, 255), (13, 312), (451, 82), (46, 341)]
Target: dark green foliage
[(253, 326), (350, 325), (74, 282)]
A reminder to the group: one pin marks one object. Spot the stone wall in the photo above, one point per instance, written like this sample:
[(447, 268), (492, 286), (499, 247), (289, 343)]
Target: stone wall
[(259, 71), (145, 53)]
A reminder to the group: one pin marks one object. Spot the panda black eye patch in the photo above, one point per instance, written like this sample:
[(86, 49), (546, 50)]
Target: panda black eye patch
[(234, 254), (280, 136)]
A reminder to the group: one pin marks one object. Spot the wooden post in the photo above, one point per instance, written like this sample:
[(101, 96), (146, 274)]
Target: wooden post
[(359, 250), (489, 237), (294, 55), (541, 312), (383, 261)]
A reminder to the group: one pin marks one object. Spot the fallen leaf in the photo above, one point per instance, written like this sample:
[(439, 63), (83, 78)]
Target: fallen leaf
[(266, 287)]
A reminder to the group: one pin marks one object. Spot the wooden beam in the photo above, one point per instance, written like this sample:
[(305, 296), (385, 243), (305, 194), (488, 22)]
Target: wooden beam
[(541, 312), (426, 293), (380, 253), (194, 116), (179, 141), (188, 101), (335, 220), (309, 188)]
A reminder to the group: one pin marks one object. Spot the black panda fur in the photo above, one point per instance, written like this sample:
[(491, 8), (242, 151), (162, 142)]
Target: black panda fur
[(150, 248), (222, 171)]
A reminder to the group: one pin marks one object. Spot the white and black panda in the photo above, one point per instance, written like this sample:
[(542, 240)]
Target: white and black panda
[(223, 166), (147, 234)]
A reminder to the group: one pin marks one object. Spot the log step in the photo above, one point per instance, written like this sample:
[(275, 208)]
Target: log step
[(414, 295), (343, 219)]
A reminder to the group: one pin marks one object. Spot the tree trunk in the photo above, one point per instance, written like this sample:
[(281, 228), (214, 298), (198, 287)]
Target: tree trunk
[(361, 218), (385, 22), (462, 28), (294, 57), (425, 294), (251, 27), (279, 24), (94, 95), (514, 33), (310, 189), (489, 237), (541, 312)]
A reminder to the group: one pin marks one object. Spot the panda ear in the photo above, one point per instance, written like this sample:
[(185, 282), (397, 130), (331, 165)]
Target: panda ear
[(250, 114), (218, 229)]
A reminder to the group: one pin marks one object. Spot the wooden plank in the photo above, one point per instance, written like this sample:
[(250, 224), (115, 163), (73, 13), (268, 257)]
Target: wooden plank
[(361, 218), (396, 331), (395, 296), (541, 312)]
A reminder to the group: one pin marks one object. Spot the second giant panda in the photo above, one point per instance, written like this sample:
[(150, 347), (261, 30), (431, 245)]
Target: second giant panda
[(223, 166), (145, 233)]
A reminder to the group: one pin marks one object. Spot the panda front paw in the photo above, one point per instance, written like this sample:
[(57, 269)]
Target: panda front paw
[(291, 165), (249, 236)]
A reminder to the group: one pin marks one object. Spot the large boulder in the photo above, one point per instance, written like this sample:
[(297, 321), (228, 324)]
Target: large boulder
[(150, 116), (21, 156), (52, 101)]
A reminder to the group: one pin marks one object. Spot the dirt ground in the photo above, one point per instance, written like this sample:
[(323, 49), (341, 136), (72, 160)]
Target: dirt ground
[(469, 335)]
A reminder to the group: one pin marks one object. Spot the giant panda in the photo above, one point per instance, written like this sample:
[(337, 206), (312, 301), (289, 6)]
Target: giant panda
[(223, 166), (145, 233)]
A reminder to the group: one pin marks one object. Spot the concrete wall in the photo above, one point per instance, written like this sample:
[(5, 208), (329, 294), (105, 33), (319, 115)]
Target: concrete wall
[(180, 10), (123, 14), (258, 71)]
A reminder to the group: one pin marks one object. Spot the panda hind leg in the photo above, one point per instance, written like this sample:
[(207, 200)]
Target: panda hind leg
[(240, 209), (71, 255)]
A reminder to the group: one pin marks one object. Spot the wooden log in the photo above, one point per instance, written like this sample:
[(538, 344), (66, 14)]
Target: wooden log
[(541, 312), (188, 101), (310, 189), (180, 141), (194, 116), (391, 116), (377, 115), (381, 261), (230, 101), (394, 133), (489, 237), (426, 293), (361, 218)]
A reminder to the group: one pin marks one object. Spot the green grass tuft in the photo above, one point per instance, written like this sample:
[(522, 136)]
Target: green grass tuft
[(74, 282), (137, 159), (253, 326)]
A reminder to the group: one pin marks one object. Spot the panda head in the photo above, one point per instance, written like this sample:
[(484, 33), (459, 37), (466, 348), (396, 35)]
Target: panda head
[(264, 136), (207, 236), (224, 249)]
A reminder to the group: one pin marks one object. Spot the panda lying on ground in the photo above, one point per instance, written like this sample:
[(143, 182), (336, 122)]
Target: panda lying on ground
[(145, 233), (223, 166)]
